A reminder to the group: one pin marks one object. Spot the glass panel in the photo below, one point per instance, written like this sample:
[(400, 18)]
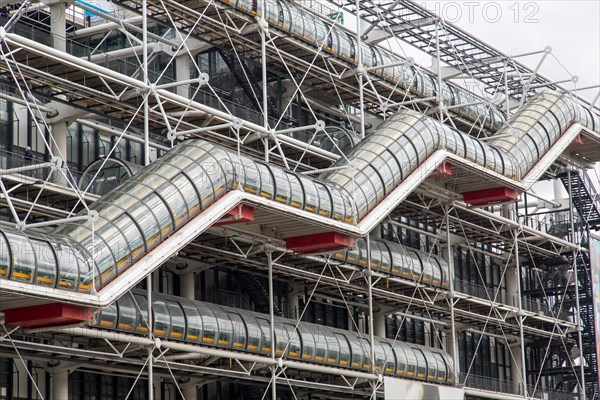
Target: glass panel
[(320, 344), (362, 248), (161, 318), (147, 222), (344, 350), (23, 258), (254, 333), (333, 347), (294, 346), (297, 20), (427, 273), (266, 335), (417, 268), (324, 200), (245, 5), (127, 314), (311, 197), (189, 194), (287, 18), (133, 235), (225, 327), (177, 320), (281, 338), (272, 12), (282, 186), (375, 255), (346, 48), (252, 177), (46, 263), (386, 259), (68, 268), (353, 254), (379, 357), (107, 317), (384, 171), (449, 368), (220, 169), (309, 33), (239, 331), (160, 210), (297, 194), (193, 321), (203, 184), (339, 209), (141, 306), (308, 343), (431, 366), (421, 363), (400, 359), (266, 180), (411, 362), (366, 345), (117, 244), (5, 257), (441, 368), (390, 360), (209, 324), (321, 36), (357, 350), (174, 200)]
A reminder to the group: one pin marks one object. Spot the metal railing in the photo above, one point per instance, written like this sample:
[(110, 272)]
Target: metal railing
[(9, 160), (491, 384), (506, 386), (533, 305)]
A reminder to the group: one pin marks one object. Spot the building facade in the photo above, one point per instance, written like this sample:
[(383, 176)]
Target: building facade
[(246, 199)]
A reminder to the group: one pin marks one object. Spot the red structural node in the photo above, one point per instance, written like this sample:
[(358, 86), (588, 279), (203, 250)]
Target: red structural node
[(238, 214), (47, 315), (491, 195), (578, 141), (443, 170), (319, 242)]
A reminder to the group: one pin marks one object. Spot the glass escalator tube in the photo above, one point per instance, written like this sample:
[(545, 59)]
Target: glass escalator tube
[(170, 192), (207, 324)]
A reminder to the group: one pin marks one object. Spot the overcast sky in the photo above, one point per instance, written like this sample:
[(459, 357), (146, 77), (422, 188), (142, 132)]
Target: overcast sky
[(570, 28)]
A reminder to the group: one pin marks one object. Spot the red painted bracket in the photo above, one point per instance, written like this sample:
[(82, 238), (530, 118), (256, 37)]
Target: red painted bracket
[(43, 315), (489, 196), (578, 141), (319, 242), (238, 214), (443, 170)]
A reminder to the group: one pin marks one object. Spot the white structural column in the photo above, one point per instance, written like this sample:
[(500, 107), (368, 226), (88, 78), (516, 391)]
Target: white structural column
[(519, 358), (60, 384), (379, 324), (512, 300), (449, 254), (58, 30), (272, 327), (190, 392), (188, 285), (296, 289), (182, 73)]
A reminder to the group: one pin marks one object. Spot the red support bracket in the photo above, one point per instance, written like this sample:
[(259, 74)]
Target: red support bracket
[(43, 315), (578, 141), (489, 196), (319, 242), (238, 214), (443, 170)]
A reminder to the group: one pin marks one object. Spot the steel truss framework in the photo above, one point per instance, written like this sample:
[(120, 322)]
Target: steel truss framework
[(124, 95)]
